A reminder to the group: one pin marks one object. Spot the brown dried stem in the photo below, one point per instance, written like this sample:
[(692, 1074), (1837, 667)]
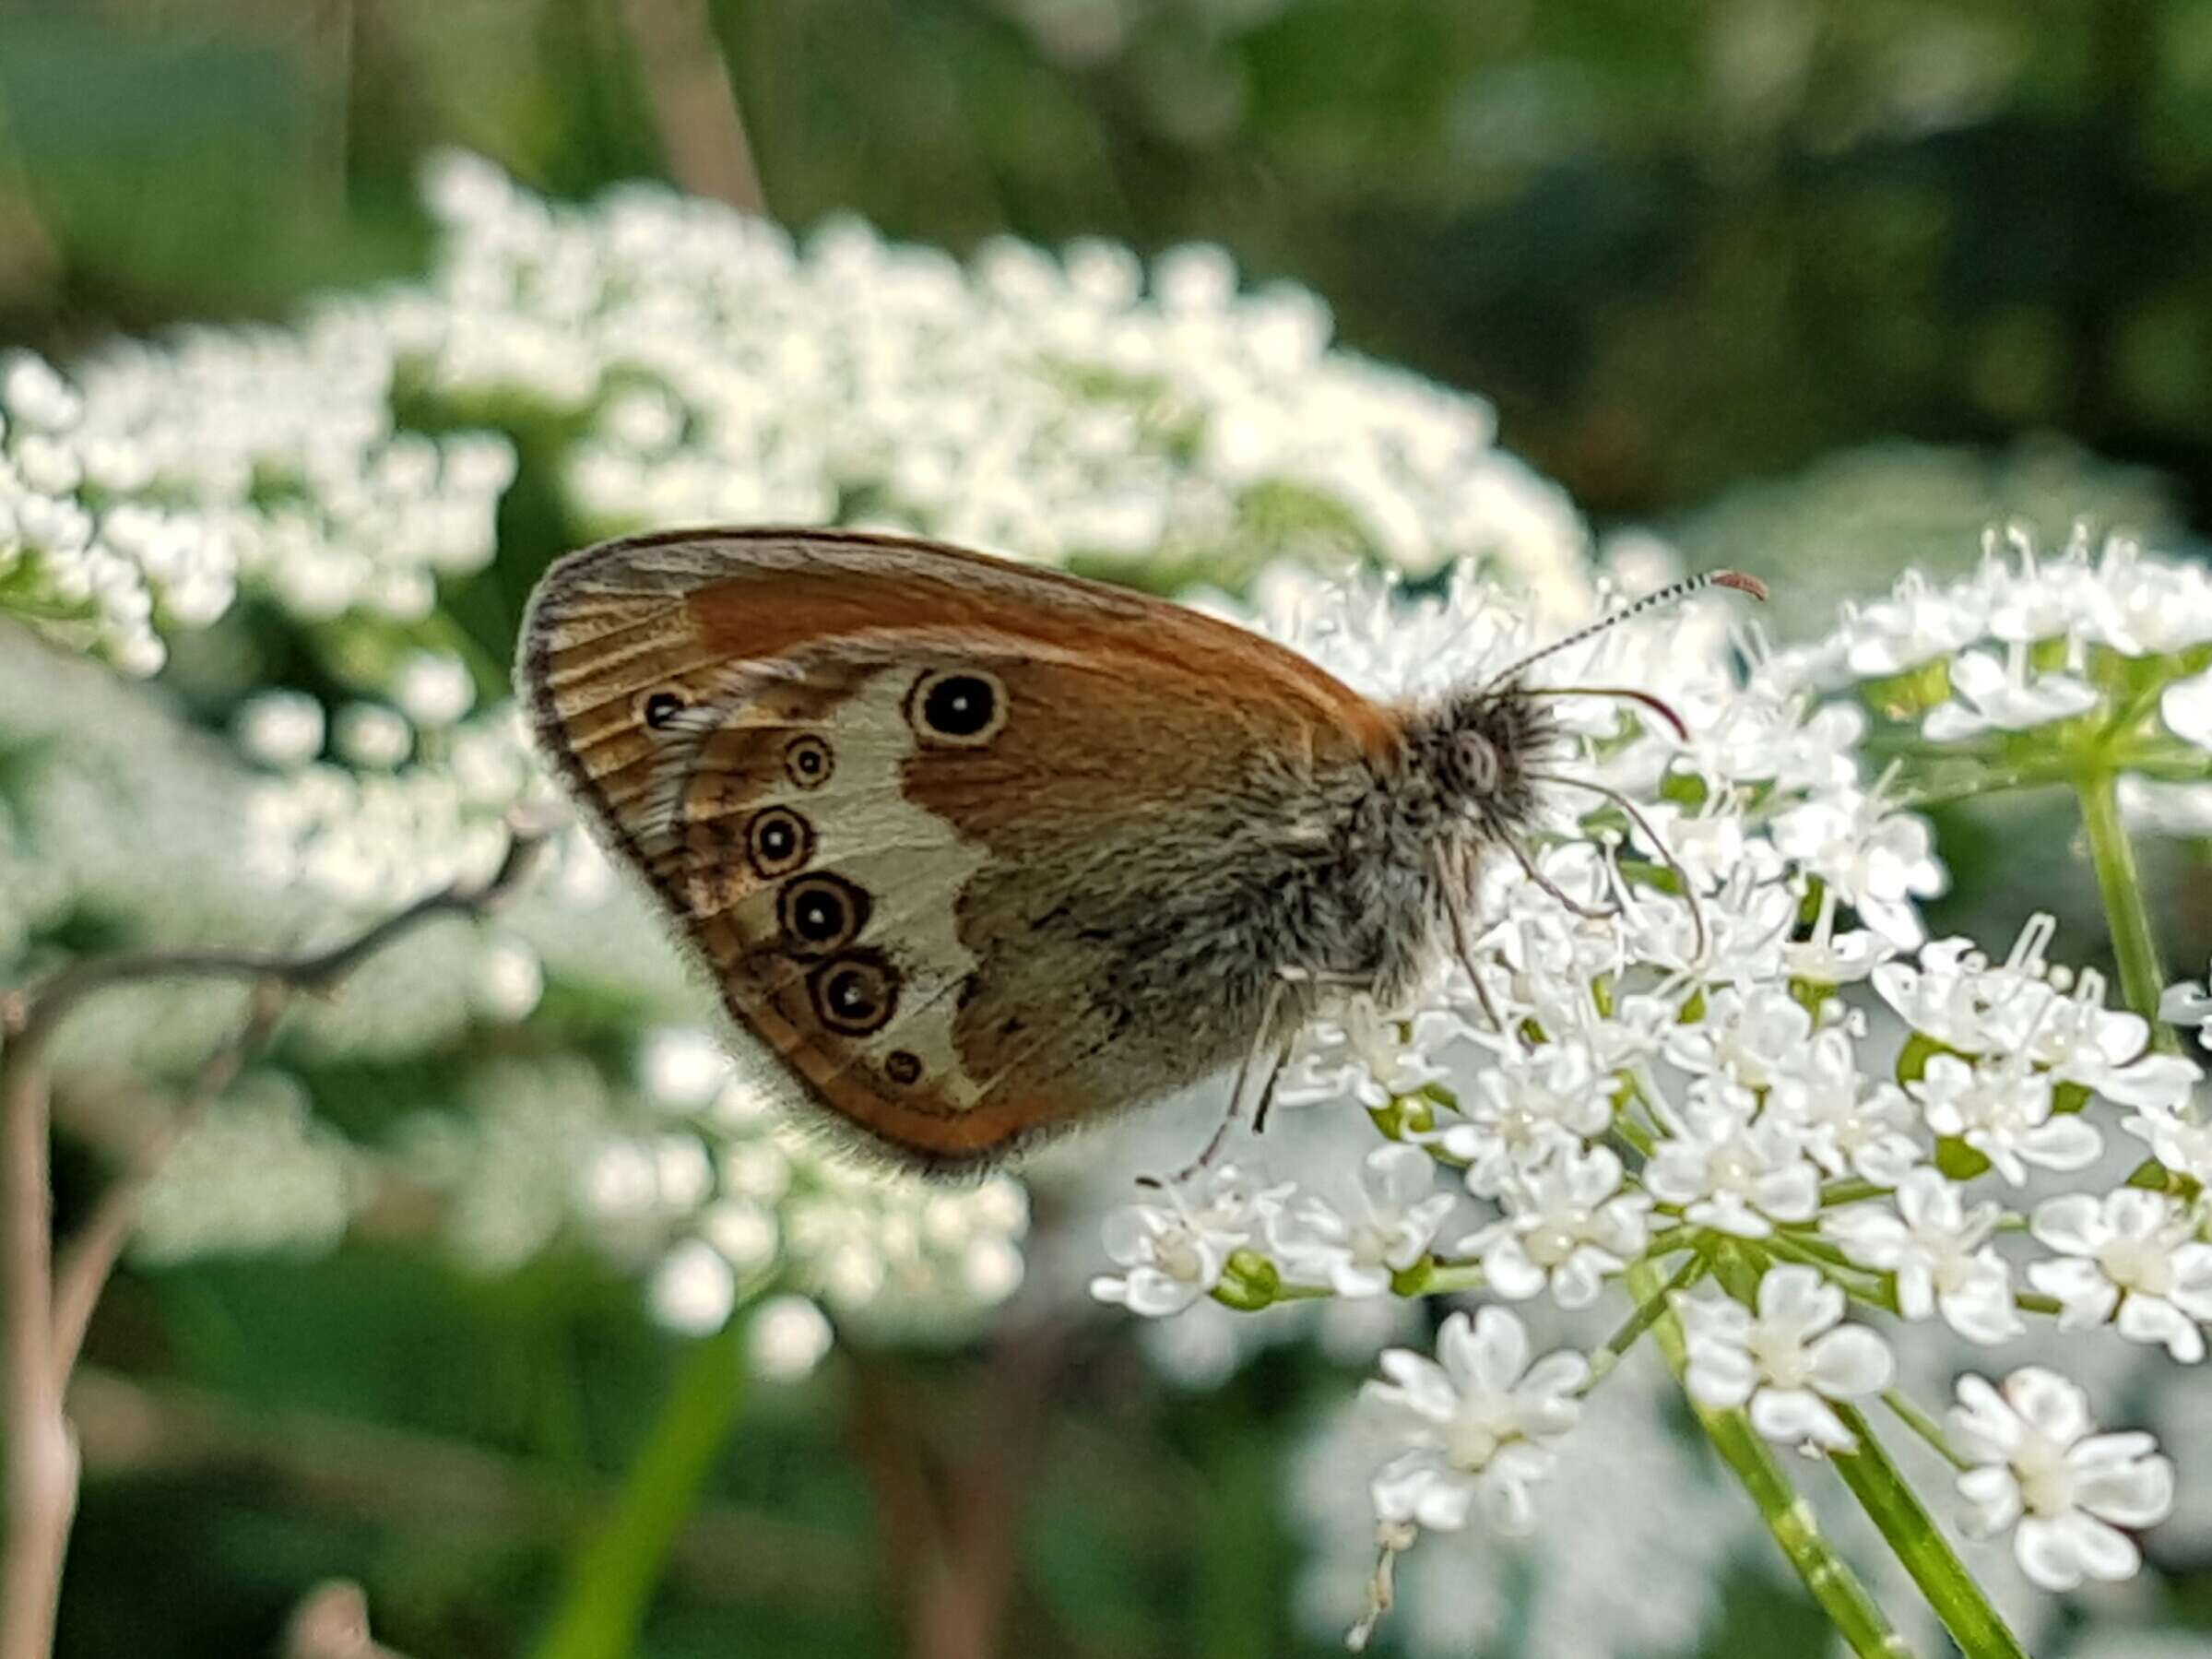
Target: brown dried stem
[(46, 1311)]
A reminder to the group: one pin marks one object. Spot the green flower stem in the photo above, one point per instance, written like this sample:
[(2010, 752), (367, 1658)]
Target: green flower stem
[(1852, 1190), (1827, 1577), (614, 1573), (1925, 1425), (1647, 1313), (2142, 974), (1898, 1514)]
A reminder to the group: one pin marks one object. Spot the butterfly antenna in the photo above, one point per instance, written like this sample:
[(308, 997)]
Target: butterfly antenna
[(1666, 853), (1665, 596), (1657, 704)]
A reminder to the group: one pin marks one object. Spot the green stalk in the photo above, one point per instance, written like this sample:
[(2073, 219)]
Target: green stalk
[(1649, 1312), (1898, 1514), (2142, 973), (612, 1576), (1827, 1577)]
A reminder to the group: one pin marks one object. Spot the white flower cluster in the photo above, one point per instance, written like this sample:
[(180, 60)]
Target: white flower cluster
[(723, 1195), (143, 494), (2104, 640), (1063, 408), (1616, 1094)]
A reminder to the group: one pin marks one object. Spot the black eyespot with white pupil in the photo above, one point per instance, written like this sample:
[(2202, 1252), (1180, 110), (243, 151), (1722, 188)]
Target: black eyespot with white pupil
[(856, 994), (961, 708), (662, 709), (808, 762), (903, 1067), (778, 841), (821, 913)]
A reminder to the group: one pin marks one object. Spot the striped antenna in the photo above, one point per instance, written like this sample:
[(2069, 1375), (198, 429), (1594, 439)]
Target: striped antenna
[(1665, 596)]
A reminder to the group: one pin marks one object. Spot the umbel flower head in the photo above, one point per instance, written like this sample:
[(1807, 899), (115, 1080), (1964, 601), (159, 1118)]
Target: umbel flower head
[(1644, 1097)]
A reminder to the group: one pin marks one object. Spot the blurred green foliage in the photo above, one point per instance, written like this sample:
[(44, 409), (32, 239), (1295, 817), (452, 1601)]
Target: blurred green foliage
[(1680, 247)]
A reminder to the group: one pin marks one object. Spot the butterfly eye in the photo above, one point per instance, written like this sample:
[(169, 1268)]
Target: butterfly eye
[(808, 762), (964, 708), (820, 914), (856, 995), (778, 841), (662, 709)]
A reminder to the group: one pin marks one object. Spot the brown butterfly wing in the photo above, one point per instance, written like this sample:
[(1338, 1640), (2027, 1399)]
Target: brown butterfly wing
[(900, 799)]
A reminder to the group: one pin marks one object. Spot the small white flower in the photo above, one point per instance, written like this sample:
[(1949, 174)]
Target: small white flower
[(1846, 1126), (1990, 695), (1567, 1226), (1753, 1037), (2189, 1003), (1789, 1362), (2178, 1138), (2136, 1252), (1877, 859), (1317, 1244), (1479, 1419), (2068, 1490), (1527, 1108), (2108, 1050), (1939, 1251), (1730, 1170), (2187, 707), (2004, 1111), (1173, 1254), (1916, 623), (1359, 1058), (1831, 958)]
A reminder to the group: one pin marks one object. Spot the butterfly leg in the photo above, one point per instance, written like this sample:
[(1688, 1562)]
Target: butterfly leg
[(1462, 940), (1271, 1052)]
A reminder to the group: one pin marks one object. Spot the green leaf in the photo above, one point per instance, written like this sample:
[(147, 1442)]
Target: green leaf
[(1958, 1160)]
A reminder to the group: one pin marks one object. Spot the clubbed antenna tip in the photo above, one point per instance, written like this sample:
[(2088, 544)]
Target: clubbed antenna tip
[(1740, 583)]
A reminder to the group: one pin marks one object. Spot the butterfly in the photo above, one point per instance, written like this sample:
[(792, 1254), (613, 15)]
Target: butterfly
[(975, 852)]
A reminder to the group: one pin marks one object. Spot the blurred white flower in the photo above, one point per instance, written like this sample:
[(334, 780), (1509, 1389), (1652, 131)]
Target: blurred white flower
[(789, 1337), (510, 980), (370, 735), (2187, 707), (433, 688), (1787, 1363), (694, 1289), (279, 729), (1989, 695), (1480, 1419), (2065, 1489), (682, 1067)]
